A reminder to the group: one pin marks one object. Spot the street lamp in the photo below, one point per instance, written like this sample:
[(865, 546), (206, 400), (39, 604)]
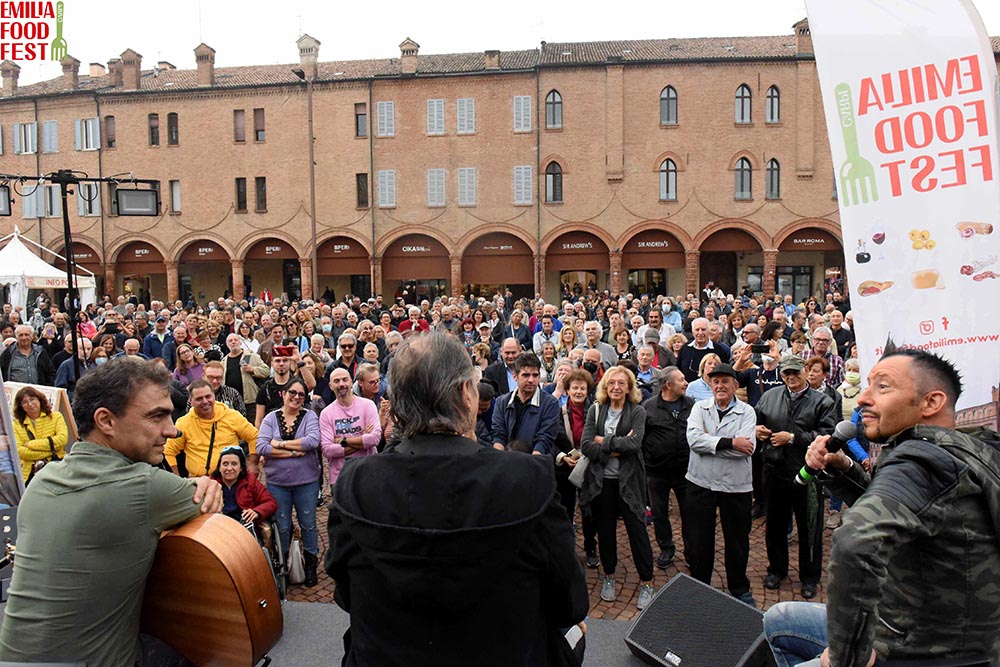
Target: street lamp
[(312, 178)]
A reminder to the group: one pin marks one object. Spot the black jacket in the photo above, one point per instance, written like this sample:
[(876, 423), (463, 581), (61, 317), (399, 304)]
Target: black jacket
[(810, 416), (447, 553), (664, 445), (497, 374), (46, 372)]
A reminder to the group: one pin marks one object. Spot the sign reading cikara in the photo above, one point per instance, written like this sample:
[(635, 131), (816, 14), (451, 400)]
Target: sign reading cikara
[(910, 95)]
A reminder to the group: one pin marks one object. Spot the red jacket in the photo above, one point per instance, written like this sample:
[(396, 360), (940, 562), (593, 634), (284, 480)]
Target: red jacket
[(252, 495)]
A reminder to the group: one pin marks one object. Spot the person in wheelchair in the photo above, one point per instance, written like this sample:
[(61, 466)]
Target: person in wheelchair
[(243, 497)]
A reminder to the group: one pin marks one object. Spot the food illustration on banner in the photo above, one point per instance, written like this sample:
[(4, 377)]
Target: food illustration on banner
[(970, 229), (870, 287), (921, 239)]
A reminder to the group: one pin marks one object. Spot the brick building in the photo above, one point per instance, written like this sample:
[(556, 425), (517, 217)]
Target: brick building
[(648, 165)]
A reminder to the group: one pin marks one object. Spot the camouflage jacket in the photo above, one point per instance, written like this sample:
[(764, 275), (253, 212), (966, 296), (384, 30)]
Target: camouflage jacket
[(915, 567)]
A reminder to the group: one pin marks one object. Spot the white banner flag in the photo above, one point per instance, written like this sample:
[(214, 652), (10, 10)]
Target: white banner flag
[(910, 93)]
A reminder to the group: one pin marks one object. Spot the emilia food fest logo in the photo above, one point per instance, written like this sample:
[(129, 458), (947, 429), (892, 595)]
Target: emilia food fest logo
[(26, 31)]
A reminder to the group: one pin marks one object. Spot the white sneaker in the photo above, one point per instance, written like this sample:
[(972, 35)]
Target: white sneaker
[(833, 520), (646, 594), (608, 593)]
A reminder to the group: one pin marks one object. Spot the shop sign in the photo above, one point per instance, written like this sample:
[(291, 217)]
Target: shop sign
[(653, 244), (587, 245), (415, 249)]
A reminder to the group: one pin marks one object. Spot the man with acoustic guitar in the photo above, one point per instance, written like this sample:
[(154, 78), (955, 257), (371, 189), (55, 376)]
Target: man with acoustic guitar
[(88, 527)]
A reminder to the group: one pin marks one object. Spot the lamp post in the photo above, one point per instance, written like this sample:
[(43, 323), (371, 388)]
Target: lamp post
[(312, 179)]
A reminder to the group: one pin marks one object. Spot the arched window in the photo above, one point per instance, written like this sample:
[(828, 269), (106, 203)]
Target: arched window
[(773, 110), (668, 180), (553, 110), (553, 183), (772, 180), (743, 174), (668, 106), (743, 104)]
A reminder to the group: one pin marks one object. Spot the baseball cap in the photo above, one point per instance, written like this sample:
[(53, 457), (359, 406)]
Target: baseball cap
[(790, 362)]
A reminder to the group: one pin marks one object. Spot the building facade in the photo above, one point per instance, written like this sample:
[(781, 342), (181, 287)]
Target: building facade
[(646, 166)]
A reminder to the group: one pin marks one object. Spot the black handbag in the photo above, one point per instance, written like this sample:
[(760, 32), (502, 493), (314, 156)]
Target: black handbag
[(38, 465)]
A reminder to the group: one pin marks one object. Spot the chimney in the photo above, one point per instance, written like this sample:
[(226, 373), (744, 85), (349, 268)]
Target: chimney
[(408, 51), (308, 56), (803, 38), (131, 69), (71, 73), (115, 71), (204, 55), (10, 71), (493, 59), (96, 70)]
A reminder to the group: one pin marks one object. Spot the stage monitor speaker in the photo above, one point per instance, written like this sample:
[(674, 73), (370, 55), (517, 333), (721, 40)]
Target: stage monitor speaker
[(690, 624)]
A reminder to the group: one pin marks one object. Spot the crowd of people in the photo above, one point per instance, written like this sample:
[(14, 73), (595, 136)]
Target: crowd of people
[(602, 381), (618, 400)]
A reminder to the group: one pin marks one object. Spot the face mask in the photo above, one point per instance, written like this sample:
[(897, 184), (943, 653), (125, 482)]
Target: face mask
[(100, 360), (590, 367), (327, 328), (853, 378)]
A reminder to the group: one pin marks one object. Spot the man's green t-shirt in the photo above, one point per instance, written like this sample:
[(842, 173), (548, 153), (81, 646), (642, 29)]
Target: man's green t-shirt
[(88, 528)]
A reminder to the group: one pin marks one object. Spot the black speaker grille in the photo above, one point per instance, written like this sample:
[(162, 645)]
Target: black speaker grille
[(689, 624)]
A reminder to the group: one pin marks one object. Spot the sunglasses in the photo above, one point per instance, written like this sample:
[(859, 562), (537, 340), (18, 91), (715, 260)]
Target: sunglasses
[(295, 394), (232, 449), (346, 347)]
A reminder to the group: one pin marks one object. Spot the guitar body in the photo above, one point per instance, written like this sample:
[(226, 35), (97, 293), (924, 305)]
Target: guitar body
[(211, 596)]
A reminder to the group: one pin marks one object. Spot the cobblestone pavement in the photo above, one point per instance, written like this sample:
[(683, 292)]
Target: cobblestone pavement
[(623, 609)]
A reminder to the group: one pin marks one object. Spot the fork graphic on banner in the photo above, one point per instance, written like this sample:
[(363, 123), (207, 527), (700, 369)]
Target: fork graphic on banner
[(58, 48), (857, 176)]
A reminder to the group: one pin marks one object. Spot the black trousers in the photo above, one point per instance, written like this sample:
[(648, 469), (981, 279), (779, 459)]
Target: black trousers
[(607, 507), (807, 504), (659, 486), (734, 513), (759, 479), (567, 494)]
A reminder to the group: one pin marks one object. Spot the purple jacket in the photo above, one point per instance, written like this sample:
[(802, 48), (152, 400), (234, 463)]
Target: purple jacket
[(291, 471)]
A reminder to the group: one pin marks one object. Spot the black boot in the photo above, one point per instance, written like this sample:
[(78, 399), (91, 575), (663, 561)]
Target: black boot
[(310, 564)]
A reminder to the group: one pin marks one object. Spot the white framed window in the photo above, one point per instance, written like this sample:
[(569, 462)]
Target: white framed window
[(52, 201), (668, 106), (772, 110), (467, 186), (435, 187), (386, 119), (175, 196), (387, 188), (743, 180), (522, 113), (668, 180), (553, 110), (435, 116), (25, 139), (466, 115), (87, 134), (50, 136), (88, 199), (523, 184)]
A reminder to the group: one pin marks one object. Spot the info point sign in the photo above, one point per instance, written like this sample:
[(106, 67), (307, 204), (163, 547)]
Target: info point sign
[(31, 31), (910, 95)]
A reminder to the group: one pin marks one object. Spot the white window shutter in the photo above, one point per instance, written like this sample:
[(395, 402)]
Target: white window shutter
[(17, 141), (78, 134), (466, 115), (56, 201), (96, 194), (28, 205), (54, 137), (1, 140), (80, 203), (95, 133), (33, 136)]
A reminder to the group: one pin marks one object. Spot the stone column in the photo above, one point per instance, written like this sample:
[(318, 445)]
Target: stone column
[(110, 285), (377, 277), (239, 289), (306, 276), (540, 275), (456, 275), (770, 272), (616, 272), (173, 290), (692, 268)]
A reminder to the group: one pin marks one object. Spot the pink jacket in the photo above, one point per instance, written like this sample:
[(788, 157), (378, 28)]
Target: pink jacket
[(337, 422)]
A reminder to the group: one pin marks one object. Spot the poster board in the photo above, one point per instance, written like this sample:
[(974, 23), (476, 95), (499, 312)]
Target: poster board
[(58, 399)]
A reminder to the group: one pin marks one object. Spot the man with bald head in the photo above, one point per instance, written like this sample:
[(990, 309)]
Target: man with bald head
[(26, 362), (691, 354), (501, 373), (349, 426)]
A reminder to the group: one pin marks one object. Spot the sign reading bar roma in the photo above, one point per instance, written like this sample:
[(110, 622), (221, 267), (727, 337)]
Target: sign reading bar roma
[(910, 96)]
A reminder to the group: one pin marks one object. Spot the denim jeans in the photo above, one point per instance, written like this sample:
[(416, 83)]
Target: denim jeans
[(796, 632), (303, 498)]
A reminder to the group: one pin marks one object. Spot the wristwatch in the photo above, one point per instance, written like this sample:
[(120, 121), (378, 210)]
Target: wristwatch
[(791, 438), (343, 442), (300, 364)]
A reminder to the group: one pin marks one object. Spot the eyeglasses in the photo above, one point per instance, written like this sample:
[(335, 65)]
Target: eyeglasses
[(295, 394), (821, 340), (347, 347)]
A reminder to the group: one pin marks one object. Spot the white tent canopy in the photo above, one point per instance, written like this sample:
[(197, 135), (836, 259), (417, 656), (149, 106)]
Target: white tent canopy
[(21, 270)]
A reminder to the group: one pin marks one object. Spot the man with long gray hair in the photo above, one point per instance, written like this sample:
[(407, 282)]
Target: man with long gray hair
[(445, 552)]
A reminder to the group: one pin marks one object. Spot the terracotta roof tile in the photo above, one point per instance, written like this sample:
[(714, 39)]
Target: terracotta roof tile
[(550, 54)]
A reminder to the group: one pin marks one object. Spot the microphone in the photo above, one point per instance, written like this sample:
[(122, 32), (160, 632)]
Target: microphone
[(844, 433)]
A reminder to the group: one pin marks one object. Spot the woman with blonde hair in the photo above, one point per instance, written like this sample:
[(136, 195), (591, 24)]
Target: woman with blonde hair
[(614, 483), (700, 389), (567, 341)]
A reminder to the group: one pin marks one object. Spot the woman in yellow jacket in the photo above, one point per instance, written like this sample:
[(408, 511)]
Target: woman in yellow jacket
[(40, 432)]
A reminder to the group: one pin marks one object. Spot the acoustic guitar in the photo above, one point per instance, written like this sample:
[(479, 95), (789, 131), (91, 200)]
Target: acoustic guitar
[(211, 595)]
